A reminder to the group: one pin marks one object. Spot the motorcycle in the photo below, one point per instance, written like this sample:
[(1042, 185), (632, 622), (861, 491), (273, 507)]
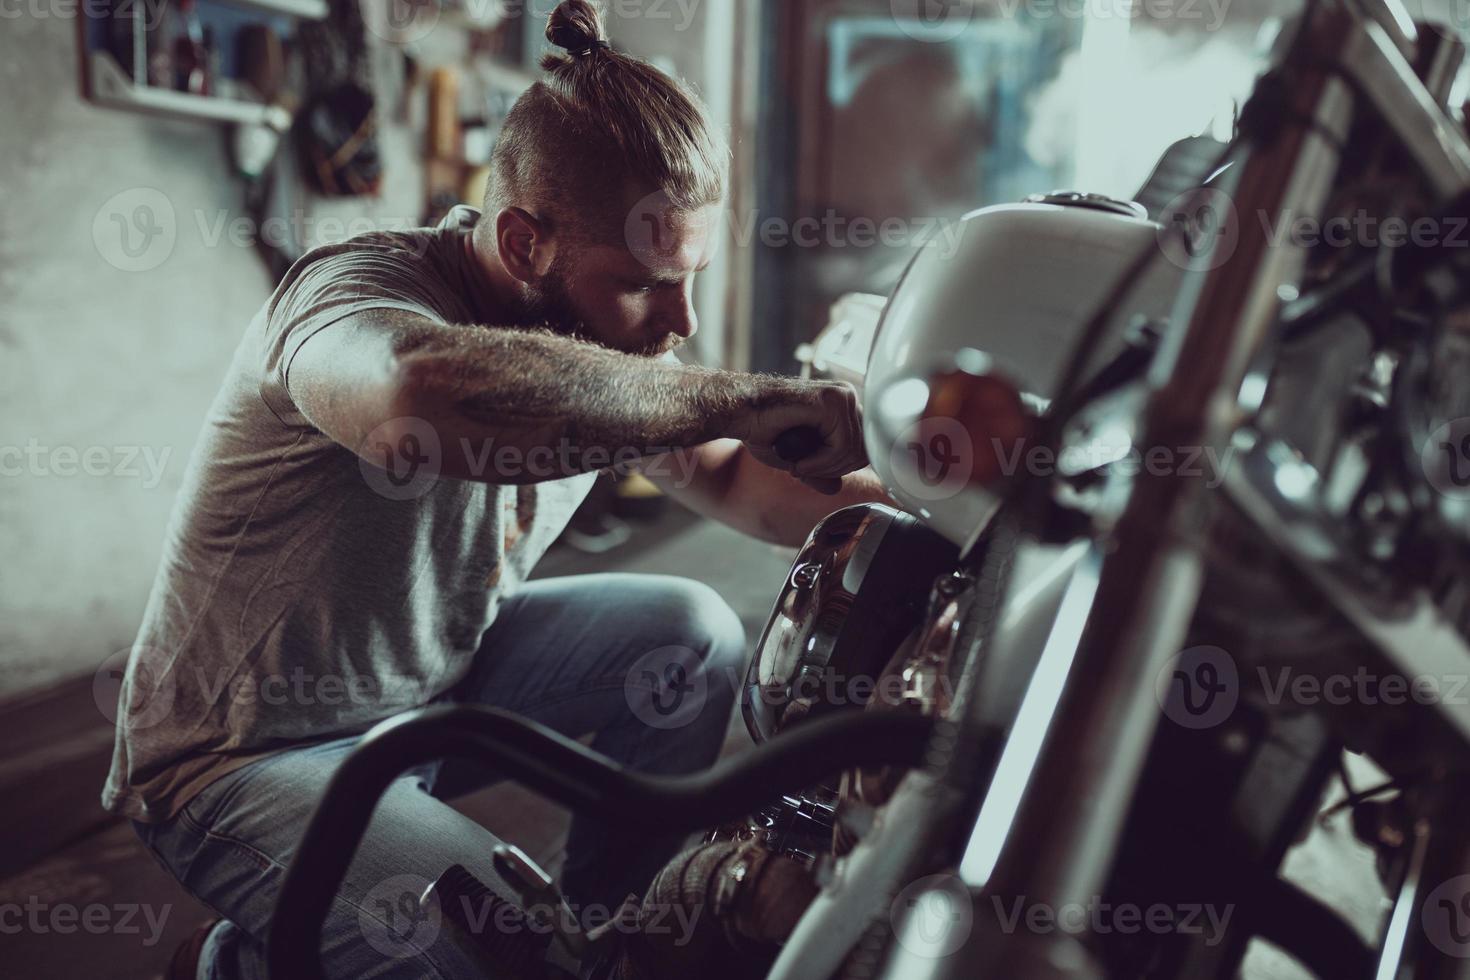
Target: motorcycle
[(1149, 466)]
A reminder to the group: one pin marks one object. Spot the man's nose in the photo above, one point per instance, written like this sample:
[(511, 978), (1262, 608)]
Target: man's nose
[(681, 320)]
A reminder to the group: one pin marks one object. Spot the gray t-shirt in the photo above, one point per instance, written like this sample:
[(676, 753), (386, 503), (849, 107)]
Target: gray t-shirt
[(303, 593)]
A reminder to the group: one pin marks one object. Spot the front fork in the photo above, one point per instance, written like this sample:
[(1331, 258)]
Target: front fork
[(1428, 935), (1059, 841)]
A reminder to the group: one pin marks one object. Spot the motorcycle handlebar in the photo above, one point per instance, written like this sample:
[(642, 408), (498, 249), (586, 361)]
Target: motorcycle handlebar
[(566, 772), (795, 445)]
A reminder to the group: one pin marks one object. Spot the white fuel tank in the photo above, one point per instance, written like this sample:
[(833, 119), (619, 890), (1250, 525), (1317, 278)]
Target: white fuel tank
[(1011, 294)]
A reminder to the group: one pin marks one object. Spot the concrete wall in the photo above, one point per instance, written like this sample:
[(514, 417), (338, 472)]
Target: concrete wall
[(94, 355), (105, 366)]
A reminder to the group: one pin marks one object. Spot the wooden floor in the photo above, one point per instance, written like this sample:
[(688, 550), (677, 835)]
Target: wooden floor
[(58, 849)]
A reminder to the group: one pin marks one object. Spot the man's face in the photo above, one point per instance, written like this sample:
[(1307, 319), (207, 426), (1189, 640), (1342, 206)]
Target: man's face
[(636, 298)]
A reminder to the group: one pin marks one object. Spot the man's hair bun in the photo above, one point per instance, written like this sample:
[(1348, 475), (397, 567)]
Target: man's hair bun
[(575, 26), (598, 125)]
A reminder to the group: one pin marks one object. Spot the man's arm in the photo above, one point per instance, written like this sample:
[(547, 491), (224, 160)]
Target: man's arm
[(387, 373), (723, 481)]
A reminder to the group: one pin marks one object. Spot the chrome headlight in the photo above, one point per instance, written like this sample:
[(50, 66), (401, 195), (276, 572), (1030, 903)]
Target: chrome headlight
[(858, 587)]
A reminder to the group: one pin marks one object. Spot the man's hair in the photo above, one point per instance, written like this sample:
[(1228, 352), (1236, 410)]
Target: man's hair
[(599, 132)]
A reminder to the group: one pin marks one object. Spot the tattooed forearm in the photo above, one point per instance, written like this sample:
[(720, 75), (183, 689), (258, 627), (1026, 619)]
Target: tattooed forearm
[(533, 387), (512, 405)]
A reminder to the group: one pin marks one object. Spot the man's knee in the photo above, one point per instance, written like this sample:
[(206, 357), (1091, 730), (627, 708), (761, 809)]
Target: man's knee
[(702, 620)]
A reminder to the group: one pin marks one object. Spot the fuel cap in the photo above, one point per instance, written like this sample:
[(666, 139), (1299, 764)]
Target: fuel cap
[(1097, 202)]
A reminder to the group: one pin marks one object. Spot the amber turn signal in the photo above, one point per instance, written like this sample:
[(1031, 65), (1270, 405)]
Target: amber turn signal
[(990, 410)]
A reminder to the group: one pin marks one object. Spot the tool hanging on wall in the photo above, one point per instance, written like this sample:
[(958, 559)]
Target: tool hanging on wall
[(338, 131), (443, 157), (269, 176)]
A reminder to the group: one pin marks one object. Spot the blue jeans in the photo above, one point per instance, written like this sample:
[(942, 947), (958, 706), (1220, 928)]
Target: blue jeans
[(583, 655)]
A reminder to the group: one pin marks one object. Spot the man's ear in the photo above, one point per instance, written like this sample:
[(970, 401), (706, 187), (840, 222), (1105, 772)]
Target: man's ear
[(525, 244)]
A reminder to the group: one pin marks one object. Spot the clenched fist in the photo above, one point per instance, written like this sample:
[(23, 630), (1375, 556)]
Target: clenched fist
[(827, 408)]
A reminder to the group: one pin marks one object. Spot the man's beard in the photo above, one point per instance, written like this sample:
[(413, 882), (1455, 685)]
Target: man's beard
[(550, 305)]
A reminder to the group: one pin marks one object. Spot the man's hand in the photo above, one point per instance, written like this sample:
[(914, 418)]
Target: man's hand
[(830, 408)]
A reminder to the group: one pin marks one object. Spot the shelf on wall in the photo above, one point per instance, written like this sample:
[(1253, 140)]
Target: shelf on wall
[(303, 9), (112, 87)]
